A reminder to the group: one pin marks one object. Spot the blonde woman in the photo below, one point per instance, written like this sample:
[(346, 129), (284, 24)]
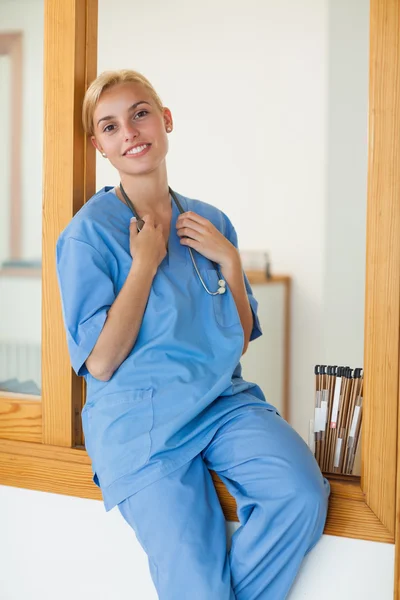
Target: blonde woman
[(158, 312)]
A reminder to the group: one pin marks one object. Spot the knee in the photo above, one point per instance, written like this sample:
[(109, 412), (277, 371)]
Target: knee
[(300, 489), (312, 506)]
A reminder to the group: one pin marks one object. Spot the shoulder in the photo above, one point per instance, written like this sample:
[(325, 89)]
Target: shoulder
[(87, 224), (216, 216)]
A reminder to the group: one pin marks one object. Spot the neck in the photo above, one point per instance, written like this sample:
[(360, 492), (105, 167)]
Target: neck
[(148, 193)]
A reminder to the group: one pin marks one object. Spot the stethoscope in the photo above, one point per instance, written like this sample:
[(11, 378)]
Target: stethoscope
[(140, 224)]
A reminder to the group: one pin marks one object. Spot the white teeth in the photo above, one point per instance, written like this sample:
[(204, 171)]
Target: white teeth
[(137, 149)]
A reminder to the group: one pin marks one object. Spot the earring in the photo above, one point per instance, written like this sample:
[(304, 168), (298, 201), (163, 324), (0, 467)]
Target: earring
[(169, 129), (104, 154)]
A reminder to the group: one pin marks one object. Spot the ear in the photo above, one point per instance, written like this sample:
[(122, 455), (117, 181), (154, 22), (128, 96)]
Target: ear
[(167, 116), (96, 144)]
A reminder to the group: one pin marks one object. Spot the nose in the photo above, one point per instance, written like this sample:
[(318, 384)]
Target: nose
[(130, 130)]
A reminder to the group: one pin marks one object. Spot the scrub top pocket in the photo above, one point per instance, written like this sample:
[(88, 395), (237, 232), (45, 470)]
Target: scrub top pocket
[(225, 309), (117, 433)]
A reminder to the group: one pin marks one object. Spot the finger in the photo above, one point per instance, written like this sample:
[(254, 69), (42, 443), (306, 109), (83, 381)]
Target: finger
[(192, 244), (133, 227), (189, 232), (194, 217), (195, 225)]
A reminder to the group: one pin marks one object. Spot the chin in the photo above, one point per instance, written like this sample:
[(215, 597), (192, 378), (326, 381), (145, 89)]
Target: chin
[(146, 168), (139, 170)]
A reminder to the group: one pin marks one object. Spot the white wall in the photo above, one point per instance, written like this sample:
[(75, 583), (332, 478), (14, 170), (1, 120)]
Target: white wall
[(264, 361), (346, 185), (55, 547)]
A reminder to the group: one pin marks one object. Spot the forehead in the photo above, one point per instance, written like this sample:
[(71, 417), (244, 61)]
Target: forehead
[(119, 98)]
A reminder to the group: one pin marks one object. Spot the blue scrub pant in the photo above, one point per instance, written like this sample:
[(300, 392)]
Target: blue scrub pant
[(281, 499)]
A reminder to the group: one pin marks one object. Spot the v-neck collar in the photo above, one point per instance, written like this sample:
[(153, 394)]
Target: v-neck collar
[(176, 253)]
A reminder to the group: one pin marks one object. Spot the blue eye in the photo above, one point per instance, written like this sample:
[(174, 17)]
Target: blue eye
[(107, 128)]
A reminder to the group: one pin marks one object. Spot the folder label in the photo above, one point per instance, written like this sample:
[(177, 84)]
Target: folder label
[(355, 421), (324, 414), (317, 420), (337, 452), (336, 398)]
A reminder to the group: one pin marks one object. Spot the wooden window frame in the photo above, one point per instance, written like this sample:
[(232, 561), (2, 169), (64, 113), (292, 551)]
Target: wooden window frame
[(41, 441)]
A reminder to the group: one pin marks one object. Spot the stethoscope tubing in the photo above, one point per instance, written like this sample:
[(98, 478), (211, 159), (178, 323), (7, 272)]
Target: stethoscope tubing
[(140, 223)]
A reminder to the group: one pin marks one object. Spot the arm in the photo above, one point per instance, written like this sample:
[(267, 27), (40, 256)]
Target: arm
[(232, 272), (123, 322), (102, 328), (124, 318)]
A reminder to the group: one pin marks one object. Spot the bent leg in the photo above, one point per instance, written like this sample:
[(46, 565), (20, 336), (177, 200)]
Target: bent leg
[(281, 496), (179, 523)]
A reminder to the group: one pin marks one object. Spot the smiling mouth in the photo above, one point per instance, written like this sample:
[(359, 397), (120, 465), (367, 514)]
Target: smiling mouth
[(137, 150)]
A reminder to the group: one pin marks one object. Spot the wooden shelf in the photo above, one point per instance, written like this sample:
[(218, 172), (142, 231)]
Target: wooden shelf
[(259, 276)]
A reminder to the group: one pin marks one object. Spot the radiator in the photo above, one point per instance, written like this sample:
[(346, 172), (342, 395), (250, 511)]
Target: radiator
[(21, 362)]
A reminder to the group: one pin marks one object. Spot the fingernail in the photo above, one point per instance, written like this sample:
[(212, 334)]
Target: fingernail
[(133, 219)]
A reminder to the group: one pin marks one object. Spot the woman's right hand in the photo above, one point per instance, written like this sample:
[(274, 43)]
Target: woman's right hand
[(148, 245)]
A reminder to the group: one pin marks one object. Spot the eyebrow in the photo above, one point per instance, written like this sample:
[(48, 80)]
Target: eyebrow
[(129, 109)]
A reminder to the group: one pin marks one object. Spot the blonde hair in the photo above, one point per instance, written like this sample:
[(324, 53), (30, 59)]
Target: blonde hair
[(106, 80)]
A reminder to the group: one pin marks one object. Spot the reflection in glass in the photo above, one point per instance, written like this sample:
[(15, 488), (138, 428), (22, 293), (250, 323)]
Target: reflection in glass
[(21, 105)]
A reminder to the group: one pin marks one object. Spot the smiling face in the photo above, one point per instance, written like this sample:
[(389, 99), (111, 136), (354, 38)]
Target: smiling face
[(131, 129)]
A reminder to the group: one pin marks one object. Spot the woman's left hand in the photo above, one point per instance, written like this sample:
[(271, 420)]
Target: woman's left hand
[(205, 238)]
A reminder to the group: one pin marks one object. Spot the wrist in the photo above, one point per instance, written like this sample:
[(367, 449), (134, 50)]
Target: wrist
[(142, 267), (231, 260)]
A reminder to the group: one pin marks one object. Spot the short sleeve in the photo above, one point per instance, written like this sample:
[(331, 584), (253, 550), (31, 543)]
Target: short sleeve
[(87, 293), (256, 332)]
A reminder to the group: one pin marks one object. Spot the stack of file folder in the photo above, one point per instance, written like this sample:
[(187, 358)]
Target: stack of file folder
[(337, 418)]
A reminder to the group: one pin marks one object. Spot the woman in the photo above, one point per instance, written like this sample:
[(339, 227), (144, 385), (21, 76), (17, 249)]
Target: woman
[(158, 337)]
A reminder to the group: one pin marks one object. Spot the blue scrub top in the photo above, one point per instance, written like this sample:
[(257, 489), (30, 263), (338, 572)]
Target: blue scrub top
[(182, 378)]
